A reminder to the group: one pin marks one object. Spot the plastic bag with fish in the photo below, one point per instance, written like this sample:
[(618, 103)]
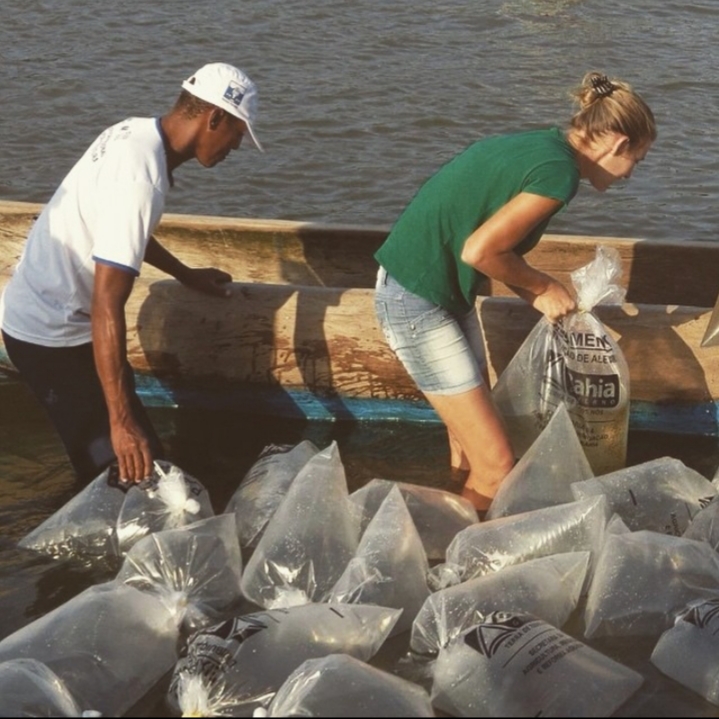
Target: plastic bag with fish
[(644, 579), (548, 588), (491, 546), (662, 495), (237, 666), (104, 520), (575, 361), (309, 540), (688, 652), (342, 686), (439, 515), (515, 665), (390, 567), (544, 475), (196, 570), (264, 486), (109, 645)]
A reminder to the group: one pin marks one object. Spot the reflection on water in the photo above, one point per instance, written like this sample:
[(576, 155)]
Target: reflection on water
[(350, 139), (218, 448)]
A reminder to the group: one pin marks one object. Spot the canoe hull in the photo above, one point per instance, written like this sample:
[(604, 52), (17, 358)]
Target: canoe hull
[(312, 347)]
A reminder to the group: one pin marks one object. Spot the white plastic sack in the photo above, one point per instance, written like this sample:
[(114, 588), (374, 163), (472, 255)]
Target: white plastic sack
[(309, 540), (109, 645), (390, 567), (548, 588), (514, 665), (29, 689), (342, 686), (264, 486), (196, 570), (234, 667), (662, 495), (575, 361), (688, 652), (543, 475), (644, 579), (499, 543), (438, 515)]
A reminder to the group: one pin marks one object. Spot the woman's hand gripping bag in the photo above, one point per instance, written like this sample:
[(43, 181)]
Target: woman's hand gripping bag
[(575, 361)]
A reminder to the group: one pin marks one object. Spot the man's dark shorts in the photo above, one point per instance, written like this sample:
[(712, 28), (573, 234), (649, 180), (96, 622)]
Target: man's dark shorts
[(65, 381)]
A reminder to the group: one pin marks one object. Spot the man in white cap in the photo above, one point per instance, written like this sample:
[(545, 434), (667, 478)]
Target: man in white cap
[(62, 313)]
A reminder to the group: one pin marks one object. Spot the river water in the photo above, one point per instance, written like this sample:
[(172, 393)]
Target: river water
[(359, 103)]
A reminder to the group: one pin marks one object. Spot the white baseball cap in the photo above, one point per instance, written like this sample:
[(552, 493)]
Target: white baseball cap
[(229, 89)]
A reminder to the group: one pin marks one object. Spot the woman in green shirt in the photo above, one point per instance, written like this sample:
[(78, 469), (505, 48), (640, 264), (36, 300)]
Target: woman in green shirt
[(474, 219)]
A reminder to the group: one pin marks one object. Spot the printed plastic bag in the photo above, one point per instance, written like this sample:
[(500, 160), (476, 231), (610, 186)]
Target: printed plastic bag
[(438, 515), (29, 689), (109, 645), (264, 486), (196, 570), (688, 652), (342, 686), (491, 546), (662, 495), (543, 475), (309, 540), (704, 527), (575, 361), (548, 588), (644, 579), (234, 667), (515, 665), (390, 567)]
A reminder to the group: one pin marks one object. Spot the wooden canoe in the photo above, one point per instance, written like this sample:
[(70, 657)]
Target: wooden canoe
[(299, 336)]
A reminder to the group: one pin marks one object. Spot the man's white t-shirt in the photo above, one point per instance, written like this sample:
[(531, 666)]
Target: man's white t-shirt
[(104, 211)]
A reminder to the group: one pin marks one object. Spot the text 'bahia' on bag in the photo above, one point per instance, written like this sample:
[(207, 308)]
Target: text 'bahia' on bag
[(575, 361)]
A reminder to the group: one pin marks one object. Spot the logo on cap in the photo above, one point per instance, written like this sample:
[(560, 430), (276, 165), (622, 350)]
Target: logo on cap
[(234, 94)]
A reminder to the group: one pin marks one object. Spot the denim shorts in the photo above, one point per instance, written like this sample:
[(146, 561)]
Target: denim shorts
[(442, 352)]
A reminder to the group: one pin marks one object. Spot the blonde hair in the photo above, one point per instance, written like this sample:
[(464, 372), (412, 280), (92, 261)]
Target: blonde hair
[(612, 106)]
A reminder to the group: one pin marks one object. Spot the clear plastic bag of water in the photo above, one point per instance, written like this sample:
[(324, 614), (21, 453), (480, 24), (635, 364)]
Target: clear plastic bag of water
[(515, 665), (575, 361), (499, 543), (390, 567), (196, 569), (438, 515), (548, 588), (644, 579), (170, 499), (688, 652), (109, 645), (704, 526), (234, 667), (29, 689), (264, 486), (342, 686), (543, 476), (309, 540), (662, 495)]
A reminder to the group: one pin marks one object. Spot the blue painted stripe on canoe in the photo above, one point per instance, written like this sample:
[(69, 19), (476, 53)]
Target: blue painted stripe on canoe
[(701, 418)]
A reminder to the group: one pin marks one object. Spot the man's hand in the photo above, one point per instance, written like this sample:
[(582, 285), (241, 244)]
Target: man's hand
[(134, 459), (209, 280)]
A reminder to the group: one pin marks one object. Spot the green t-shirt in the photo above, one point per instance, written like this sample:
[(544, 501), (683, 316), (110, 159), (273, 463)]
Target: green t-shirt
[(423, 250)]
